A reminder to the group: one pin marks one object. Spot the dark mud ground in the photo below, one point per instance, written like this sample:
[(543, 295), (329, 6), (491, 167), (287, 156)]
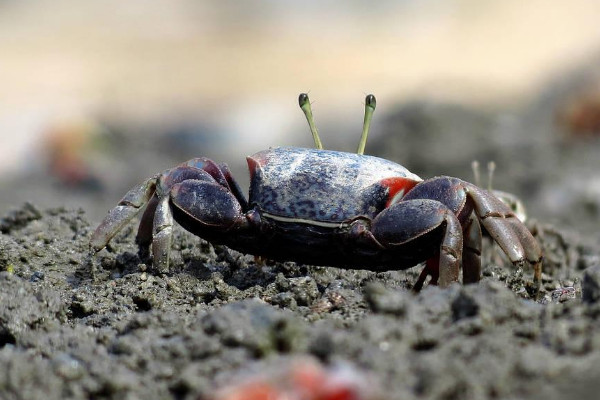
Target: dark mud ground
[(124, 332), (128, 333)]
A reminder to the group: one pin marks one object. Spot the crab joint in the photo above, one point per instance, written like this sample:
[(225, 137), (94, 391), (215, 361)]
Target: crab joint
[(370, 104), (305, 106)]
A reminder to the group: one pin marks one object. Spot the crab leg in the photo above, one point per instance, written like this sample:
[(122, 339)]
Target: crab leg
[(432, 268), (162, 234), (450, 250), (507, 230), (402, 225), (129, 206), (472, 251), (144, 234), (471, 258)]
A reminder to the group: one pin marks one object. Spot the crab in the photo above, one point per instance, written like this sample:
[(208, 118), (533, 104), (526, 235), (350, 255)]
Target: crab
[(329, 208)]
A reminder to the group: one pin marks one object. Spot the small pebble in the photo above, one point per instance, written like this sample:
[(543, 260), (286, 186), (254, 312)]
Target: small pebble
[(37, 276)]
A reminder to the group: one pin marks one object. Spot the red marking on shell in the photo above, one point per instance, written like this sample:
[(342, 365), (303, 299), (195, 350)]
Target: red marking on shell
[(254, 164), (397, 188)]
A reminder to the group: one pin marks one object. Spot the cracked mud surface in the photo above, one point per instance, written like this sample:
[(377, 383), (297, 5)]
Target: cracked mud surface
[(124, 332)]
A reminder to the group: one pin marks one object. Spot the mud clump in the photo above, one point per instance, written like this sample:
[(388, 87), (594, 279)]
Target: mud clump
[(124, 332), (591, 284)]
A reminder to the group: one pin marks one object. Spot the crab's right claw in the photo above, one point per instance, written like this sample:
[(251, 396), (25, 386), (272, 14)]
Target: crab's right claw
[(507, 230)]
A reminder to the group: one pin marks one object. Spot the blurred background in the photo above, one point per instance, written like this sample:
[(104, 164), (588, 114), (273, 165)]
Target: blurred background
[(96, 96)]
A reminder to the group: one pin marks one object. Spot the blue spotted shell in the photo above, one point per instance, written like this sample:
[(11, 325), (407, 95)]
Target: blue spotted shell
[(322, 185)]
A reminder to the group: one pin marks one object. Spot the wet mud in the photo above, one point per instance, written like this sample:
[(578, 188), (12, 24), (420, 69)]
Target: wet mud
[(75, 327)]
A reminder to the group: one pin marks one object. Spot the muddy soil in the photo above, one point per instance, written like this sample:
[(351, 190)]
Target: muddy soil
[(108, 327)]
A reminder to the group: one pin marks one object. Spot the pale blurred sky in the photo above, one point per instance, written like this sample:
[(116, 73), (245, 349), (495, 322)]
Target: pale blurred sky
[(241, 64)]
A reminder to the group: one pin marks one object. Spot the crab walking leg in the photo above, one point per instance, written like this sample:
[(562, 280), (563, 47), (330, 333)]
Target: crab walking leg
[(471, 257), (403, 225), (162, 234), (507, 230), (450, 250), (129, 206), (472, 251), (432, 268), (144, 233)]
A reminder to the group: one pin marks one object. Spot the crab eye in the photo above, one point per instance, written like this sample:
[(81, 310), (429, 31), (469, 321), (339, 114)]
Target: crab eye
[(370, 101), (302, 99)]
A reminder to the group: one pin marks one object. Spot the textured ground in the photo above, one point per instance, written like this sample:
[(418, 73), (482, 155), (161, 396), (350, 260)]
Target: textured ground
[(124, 332)]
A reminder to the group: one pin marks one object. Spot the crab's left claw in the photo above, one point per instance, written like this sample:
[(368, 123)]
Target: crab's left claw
[(507, 230)]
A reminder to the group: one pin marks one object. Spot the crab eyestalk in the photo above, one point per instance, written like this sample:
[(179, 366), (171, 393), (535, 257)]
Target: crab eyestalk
[(491, 169), (305, 106), (475, 168), (370, 104)]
